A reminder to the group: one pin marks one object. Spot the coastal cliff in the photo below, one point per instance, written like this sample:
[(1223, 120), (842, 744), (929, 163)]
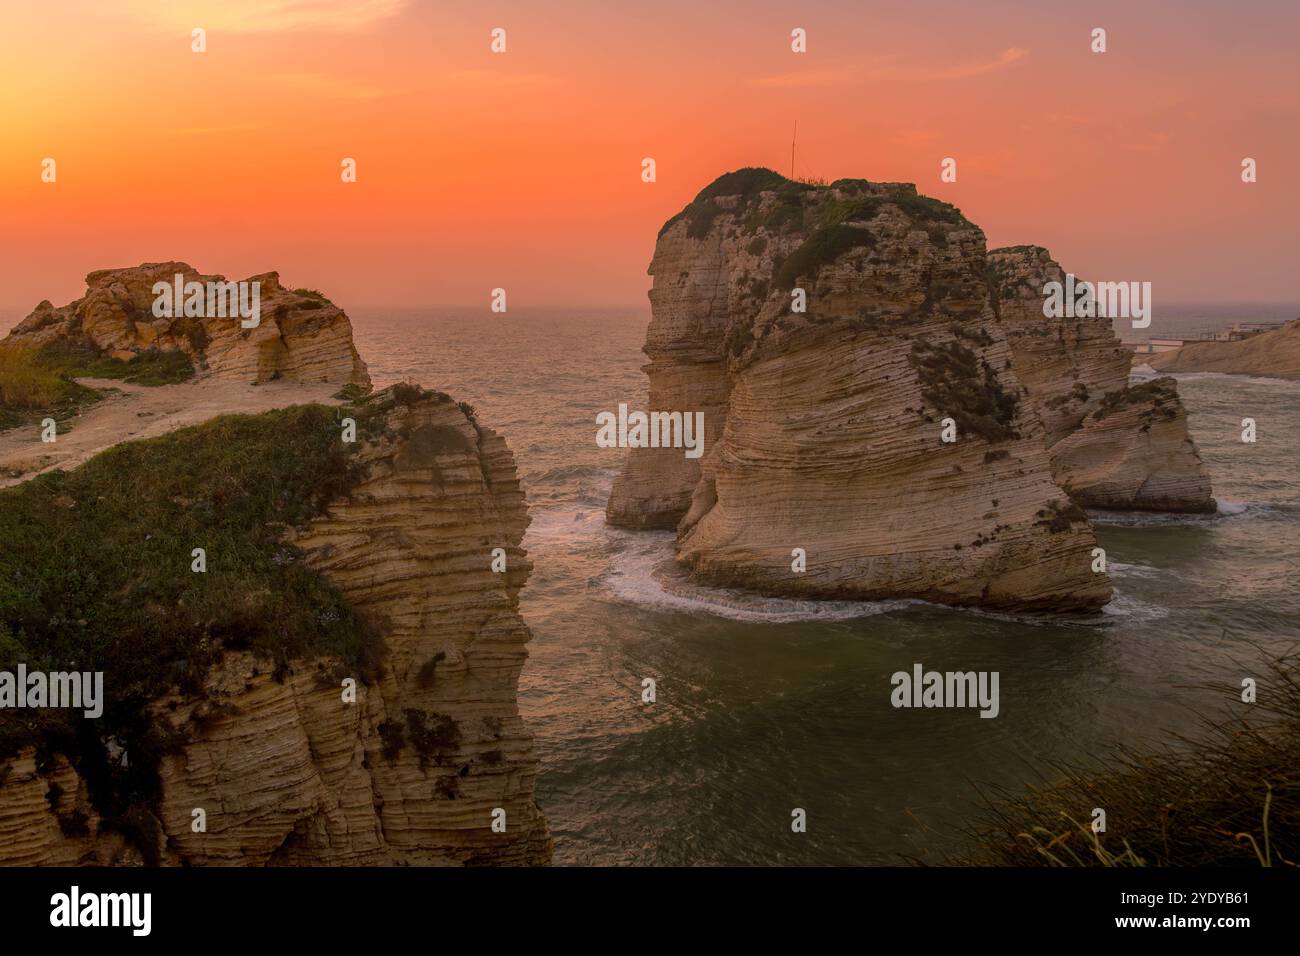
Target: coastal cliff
[(824, 428), (336, 685), (1272, 354), (1111, 445)]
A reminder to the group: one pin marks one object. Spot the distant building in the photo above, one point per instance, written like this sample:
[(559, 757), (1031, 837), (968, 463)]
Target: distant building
[(1243, 330)]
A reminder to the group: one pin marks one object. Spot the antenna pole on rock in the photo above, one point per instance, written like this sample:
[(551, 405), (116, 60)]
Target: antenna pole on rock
[(792, 139)]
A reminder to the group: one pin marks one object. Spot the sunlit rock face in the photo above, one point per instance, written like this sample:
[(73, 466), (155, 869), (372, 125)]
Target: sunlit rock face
[(297, 335), (825, 425)]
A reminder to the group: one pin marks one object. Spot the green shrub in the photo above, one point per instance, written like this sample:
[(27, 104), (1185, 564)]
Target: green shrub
[(822, 247), (352, 392), (38, 382), (152, 367), (959, 384), (923, 210), (434, 736), (1161, 393), (747, 182), (31, 390), (95, 575)]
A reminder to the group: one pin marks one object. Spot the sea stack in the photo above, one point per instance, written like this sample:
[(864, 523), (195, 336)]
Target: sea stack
[(826, 428)]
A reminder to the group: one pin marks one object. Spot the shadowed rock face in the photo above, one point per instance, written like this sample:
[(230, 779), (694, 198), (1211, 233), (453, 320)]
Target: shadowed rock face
[(301, 337), (290, 774), (823, 428), (1111, 445)]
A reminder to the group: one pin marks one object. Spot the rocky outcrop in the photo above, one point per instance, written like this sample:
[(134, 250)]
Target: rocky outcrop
[(824, 427), (1111, 445), (288, 771), (300, 335), (418, 758), (1134, 453), (1273, 354)]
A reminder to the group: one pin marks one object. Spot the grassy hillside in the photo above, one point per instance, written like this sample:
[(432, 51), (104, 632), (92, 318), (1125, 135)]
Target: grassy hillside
[(96, 575), (36, 383)]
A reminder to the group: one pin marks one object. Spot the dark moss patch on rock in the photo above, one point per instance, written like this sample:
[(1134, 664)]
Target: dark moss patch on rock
[(957, 383), (740, 335), (745, 183), (434, 736), (1160, 393), (822, 247), (392, 738), (923, 210), (749, 181), (1060, 516)]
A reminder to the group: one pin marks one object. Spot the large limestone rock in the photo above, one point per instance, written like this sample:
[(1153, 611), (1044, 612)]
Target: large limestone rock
[(301, 337), (289, 774), (1111, 445), (1274, 354), (823, 428)]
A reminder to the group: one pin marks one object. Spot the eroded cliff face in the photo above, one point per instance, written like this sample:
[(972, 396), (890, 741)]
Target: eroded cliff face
[(289, 772), (1274, 354), (303, 337), (823, 428), (1111, 445)]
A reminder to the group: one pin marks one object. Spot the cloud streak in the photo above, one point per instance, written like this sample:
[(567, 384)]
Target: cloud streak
[(1006, 58), (872, 69), (261, 16)]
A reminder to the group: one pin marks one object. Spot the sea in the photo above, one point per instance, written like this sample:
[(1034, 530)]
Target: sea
[(764, 706), (767, 706)]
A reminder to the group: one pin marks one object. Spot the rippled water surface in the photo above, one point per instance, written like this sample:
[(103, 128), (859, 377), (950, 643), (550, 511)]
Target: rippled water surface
[(764, 705)]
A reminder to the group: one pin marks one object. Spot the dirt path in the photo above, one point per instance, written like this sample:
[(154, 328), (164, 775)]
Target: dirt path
[(137, 411)]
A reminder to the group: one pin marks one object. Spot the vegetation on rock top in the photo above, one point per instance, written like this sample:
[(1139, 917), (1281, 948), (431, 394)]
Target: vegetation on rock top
[(39, 382), (96, 575), (1158, 392), (822, 247)]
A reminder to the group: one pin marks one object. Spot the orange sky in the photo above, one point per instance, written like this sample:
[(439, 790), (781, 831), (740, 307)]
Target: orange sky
[(522, 170)]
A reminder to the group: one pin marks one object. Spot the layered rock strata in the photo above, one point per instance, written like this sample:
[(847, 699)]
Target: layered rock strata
[(1111, 445), (300, 334), (824, 427), (431, 751)]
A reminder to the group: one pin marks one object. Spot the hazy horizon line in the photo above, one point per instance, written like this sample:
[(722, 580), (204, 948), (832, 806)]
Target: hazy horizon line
[(485, 307)]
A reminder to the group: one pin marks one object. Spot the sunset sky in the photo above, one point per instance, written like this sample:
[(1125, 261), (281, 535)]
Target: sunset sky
[(522, 170)]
